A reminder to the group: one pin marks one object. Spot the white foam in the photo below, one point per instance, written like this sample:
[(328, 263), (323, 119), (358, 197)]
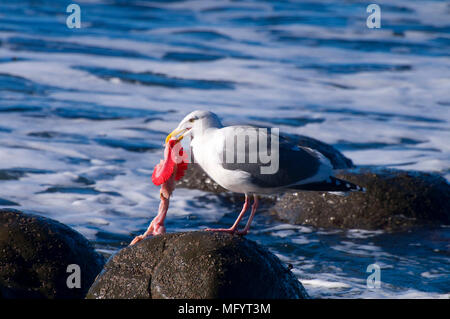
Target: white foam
[(324, 284)]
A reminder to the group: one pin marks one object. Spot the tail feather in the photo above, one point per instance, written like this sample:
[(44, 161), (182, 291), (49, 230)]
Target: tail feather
[(333, 184)]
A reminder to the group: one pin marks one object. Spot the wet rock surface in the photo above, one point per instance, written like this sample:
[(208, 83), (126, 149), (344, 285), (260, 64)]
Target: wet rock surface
[(395, 200), (35, 253), (196, 265)]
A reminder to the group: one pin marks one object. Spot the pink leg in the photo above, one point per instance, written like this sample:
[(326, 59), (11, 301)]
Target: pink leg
[(250, 219), (233, 228), (157, 227)]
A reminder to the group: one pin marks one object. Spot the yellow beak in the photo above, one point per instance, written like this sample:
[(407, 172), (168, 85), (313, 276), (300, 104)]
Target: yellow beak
[(175, 133)]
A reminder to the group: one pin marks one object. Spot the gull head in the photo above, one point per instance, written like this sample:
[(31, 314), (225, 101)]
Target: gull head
[(195, 123)]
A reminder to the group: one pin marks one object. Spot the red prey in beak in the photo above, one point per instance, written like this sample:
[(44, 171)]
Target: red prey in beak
[(169, 170)]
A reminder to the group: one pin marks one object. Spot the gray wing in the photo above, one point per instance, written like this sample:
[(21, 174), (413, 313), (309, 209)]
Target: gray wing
[(296, 163)]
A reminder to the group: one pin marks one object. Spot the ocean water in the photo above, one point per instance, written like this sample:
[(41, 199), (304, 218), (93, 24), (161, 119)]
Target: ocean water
[(83, 115)]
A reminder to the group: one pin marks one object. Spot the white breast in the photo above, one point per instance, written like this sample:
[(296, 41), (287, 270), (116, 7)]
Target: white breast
[(208, 149)]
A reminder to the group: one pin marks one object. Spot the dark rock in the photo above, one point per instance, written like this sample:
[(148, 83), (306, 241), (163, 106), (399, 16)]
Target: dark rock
[(195, 265), (196, 178), (395, 200), (35, 252)]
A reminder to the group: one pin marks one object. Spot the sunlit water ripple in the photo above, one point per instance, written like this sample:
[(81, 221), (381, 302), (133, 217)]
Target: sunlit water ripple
[(83, 113)]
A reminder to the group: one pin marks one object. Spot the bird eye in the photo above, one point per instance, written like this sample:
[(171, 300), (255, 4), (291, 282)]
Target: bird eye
[(192, 120)]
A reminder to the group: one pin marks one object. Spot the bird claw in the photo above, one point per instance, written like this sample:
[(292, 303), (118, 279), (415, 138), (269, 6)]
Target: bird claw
[(156, 229), (137, 239)]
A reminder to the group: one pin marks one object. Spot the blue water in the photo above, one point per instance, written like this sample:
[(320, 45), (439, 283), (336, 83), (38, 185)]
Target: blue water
[(83, 114)]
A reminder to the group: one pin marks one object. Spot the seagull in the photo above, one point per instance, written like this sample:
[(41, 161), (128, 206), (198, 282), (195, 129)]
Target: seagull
[(237, 158)]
